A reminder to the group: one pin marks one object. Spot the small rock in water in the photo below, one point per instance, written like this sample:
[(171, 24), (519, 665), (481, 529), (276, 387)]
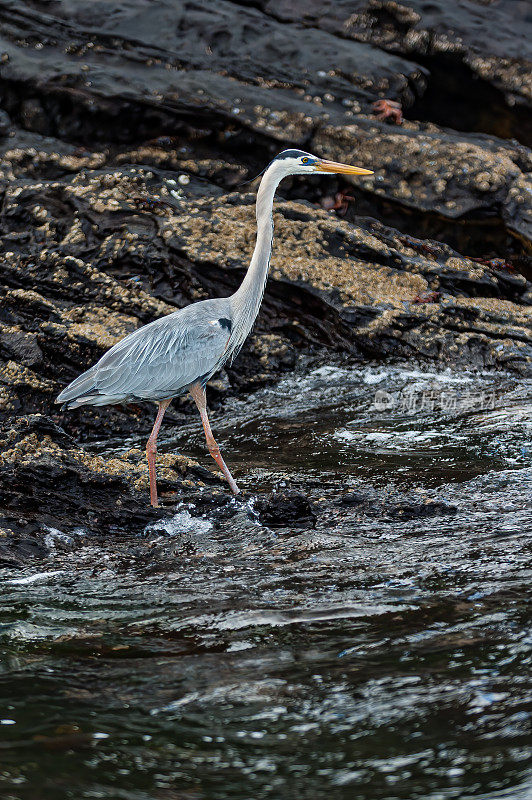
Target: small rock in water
[(352, 499), (414, 510), (284, 509)]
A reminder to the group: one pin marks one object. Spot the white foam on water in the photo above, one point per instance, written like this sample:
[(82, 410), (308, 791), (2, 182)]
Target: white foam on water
[(506, 417), (54, 535), (39, 576), (371, 377), (182, 522), (324, 380), (328, 372), (397, 438)]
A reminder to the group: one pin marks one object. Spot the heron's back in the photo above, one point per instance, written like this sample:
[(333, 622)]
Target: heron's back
[(160, 360)]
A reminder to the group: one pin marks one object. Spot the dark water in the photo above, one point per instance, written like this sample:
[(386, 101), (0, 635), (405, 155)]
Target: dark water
[(383, 654)]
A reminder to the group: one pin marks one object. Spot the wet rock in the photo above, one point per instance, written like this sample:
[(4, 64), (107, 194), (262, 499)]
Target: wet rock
[(5, 123), (215, 503), (416, 510), (22, 347), (352, 499), (219, 63), (430, 170), (198, 75), (33, 116), (392, 504), (19, 545), (474, 80), (47, 479), (286, 509)]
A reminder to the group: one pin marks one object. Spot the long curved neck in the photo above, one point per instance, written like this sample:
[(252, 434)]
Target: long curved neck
[(248, 297)]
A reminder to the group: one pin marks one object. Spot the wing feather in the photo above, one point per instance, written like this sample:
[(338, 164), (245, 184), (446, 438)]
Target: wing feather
[(157, 361), (160, 360)]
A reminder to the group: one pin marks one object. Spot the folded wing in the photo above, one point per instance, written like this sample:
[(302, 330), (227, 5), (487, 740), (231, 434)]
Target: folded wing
[(154, 363)]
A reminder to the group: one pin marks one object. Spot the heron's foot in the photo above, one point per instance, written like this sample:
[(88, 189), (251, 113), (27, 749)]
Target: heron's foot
[(232, 485)]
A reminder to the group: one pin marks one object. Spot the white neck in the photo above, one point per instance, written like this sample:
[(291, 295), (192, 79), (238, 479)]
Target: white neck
[(247, 299)]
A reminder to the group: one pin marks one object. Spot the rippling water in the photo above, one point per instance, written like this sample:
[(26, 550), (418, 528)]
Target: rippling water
[(382, 654)]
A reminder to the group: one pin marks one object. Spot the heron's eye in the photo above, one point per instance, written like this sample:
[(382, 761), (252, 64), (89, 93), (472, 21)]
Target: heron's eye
[(305, 160)]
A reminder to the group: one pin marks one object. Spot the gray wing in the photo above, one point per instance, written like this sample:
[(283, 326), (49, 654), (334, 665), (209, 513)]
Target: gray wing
[(159, 360)]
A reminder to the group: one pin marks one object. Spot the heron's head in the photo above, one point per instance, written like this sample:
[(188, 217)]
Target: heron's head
[(297, 162)]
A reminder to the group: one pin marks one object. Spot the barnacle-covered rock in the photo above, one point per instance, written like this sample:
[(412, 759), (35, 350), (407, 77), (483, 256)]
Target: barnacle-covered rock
[(46, 478)]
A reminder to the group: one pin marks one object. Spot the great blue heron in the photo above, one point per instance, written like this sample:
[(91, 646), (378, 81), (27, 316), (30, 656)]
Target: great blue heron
[(180, 352)]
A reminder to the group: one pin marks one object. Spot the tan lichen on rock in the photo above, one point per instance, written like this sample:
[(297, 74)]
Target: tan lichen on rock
[(268, 346), (443, 173), (7, 400), (99, 325), (75, 234), (115, 293), (31, 298), (504, 309), (132, 465), (27, 449), (496, 317), (301, 251), (16, 157), (170, 466), (17, 375)]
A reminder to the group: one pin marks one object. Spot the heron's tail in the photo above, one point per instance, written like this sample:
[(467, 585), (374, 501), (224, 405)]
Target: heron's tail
[(81, 392)]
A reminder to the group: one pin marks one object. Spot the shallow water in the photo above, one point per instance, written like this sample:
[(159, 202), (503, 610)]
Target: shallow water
[(382, 654), (403, 423)]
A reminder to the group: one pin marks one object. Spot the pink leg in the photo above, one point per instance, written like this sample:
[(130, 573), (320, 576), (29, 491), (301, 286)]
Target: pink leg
[(198, 395), (151, 449)]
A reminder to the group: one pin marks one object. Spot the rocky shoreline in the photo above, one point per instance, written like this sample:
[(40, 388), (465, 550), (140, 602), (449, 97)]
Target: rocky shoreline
[(123, 150)]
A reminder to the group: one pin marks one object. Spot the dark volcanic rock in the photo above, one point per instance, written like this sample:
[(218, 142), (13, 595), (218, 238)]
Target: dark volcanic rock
[(286, 509), (477, 53), (237, 80), (414, 510), (187, 61), (5, 123), (431, 170), (352, 499)]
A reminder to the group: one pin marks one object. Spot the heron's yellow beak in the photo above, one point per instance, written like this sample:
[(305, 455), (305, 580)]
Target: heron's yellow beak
[(344, 169)]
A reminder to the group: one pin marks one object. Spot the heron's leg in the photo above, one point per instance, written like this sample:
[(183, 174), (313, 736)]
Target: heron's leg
[(198, 395), (151, 449)]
